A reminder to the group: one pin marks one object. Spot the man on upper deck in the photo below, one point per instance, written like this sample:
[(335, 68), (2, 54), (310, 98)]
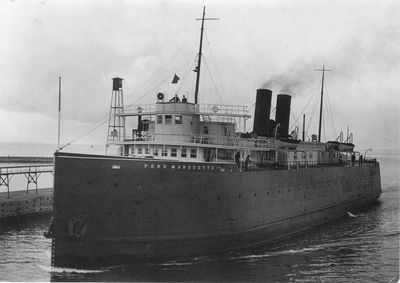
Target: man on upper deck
[(175, 99)]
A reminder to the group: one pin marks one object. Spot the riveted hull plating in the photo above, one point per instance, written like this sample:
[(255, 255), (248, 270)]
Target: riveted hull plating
[(115, 209)]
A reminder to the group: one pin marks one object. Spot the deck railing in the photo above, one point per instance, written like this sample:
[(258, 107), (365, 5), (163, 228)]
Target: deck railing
[(140, 108), (293, 165), (216, 109), (232, 141), (207, 109)]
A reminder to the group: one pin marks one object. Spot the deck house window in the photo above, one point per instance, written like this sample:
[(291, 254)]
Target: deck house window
[(155, 151), (168, 119), (146, 150), (139, 150), (183, 152), (164, 152), (178, 119), (193, 153), (173, 152), (159, 119)]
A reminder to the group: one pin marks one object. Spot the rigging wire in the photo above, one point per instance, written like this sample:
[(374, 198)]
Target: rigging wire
[(186, 74), (323, 125), (158, 70), (303, 111), (162, 82), (212, 80), (312, 114), (210, 50), (84, 134), (94, 125), (332, 117)]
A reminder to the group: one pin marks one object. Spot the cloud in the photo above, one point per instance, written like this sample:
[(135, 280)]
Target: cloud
[(273, 44)]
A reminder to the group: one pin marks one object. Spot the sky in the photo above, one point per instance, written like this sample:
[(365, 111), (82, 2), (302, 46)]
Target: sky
[(254, 44)]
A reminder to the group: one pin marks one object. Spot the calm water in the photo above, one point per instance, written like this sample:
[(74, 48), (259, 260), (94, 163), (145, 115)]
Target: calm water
[(359, 248)]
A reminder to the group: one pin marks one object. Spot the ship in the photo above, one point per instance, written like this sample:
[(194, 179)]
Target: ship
[(189, 180)]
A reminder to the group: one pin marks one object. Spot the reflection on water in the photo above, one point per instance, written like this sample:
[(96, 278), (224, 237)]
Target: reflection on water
[(364, 248)]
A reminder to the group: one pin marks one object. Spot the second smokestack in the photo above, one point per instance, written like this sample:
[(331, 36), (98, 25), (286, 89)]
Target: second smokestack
[(282, 114)]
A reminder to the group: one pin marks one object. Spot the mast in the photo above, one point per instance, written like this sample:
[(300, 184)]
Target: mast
[(323, 70), (59, 111), (196, 92), (197, 70)]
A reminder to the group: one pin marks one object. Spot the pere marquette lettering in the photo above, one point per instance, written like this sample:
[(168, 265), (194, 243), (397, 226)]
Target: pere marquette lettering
[(184, 167)]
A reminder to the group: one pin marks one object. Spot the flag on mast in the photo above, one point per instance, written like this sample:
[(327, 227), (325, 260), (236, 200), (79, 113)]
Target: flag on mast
[(175, 79)]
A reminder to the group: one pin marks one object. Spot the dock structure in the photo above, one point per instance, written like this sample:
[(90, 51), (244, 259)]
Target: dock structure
[(25, 202), (26, 159), (22, 203), (31, 172)]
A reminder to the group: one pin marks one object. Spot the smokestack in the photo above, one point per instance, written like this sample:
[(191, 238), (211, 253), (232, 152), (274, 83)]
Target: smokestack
[(283, 114), (262, 112)]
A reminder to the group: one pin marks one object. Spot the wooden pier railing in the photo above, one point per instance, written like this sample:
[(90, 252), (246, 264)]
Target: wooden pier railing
[(25, 159), (31, 172)]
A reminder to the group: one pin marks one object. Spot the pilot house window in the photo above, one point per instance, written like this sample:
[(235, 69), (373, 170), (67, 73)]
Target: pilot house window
[(178, 119), (159, 119), (168, 119), (193, 153)]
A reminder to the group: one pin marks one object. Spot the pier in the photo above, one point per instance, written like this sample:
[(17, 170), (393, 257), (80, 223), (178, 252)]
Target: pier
[(23, 202), (31, 172), (25, 159)]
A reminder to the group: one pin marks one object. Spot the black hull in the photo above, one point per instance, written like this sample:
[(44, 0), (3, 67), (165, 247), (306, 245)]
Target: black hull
[(154, 210)]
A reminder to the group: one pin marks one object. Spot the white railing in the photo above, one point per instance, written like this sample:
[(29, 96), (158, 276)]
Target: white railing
[(25, 169), (203, 139), (216, 109), (205, 109), (140, 108)]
